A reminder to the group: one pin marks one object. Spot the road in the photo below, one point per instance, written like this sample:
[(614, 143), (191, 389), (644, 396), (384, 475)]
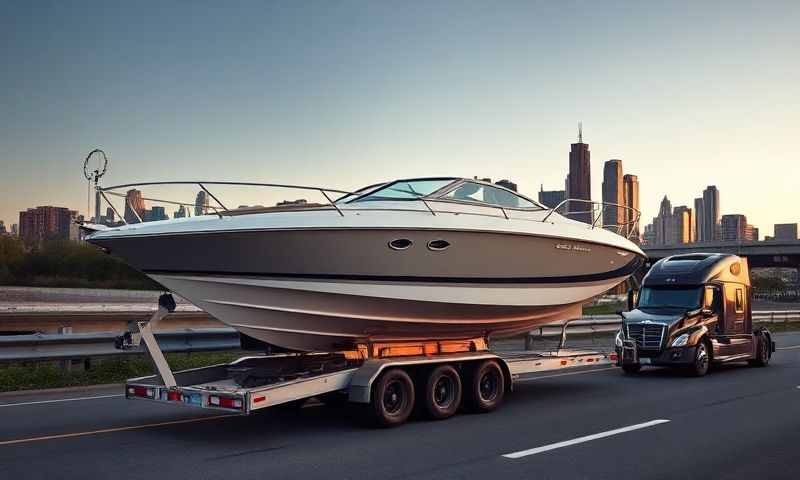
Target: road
[(738, 422)]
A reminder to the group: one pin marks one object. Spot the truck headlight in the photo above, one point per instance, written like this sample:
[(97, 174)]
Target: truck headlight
[(618, 339), (681, 340)]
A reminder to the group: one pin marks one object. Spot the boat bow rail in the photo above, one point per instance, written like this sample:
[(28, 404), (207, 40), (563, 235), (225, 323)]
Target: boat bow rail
[(435, 202)]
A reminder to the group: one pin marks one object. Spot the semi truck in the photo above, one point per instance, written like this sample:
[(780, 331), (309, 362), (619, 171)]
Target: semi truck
[(692, 311), (437, 378)]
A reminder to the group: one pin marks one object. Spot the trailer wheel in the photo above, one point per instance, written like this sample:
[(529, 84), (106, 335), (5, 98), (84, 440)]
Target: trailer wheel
[(392, 398), (762, 352), (442, 394), (486, 387), (701, 360)]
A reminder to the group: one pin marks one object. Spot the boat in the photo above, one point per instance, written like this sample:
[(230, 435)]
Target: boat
[(405, 260)]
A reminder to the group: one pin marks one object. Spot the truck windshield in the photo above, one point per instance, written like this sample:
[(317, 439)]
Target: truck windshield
[(687, 298)]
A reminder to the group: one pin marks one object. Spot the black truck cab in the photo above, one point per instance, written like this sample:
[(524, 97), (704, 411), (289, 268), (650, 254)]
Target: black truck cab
[(692, 310)]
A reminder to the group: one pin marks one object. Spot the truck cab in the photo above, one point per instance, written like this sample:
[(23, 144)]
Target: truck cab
[(691, 311)]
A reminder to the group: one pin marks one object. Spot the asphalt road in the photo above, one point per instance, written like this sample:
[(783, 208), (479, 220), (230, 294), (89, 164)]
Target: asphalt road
[(738, 422)]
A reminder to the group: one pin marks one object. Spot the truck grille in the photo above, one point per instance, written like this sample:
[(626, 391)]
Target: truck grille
[(647, 336)]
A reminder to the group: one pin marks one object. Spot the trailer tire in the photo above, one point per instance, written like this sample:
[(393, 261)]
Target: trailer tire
[(486, 387), (763, 352), (392, 398), (702, 360), (442, 394)]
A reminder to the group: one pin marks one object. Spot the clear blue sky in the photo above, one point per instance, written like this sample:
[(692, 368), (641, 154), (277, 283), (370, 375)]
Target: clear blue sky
[(350, 93)]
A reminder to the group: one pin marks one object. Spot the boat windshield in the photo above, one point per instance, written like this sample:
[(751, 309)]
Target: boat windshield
[(480, 193), (685, 298), (361, 191), (405, 190)]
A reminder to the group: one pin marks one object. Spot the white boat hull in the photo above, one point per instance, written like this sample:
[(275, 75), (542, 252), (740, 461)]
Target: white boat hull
[(326, 315)]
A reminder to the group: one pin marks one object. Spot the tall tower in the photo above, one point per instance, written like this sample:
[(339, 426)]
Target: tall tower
[(579, 179), (699, 216), (134, 203), (631, 194), (711, 225), (201, 203), (613, 192)]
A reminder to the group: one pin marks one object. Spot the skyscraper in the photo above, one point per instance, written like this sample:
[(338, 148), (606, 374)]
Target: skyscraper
[(631, 190), (181, 213), (551, 198), (613, 192), (663, 224), (507, 184), (785, 231), (683, 225), (699, 217), (134, 205), (44, 223), (734, 227), (580, 180), (2, 228), (710, 214), (14, 229), (201, 203)]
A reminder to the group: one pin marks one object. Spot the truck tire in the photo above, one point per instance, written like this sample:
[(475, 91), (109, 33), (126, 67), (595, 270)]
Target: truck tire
[(701, 361), (631, 368), (486, 387), (763, 352), (442, 394), (392, 398)]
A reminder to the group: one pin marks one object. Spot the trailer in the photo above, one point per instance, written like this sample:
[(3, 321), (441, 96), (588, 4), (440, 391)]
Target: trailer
[(389, 379)]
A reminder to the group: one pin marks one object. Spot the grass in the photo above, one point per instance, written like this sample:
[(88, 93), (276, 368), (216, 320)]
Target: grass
[(112, 370)]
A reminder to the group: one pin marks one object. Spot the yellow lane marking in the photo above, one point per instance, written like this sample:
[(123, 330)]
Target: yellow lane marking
[(116, 429)]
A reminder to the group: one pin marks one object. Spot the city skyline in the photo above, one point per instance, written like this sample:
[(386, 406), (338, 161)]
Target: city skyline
[(350, 94)]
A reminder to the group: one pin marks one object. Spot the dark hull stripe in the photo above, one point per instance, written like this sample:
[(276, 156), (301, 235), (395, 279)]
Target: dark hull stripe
[(592, 277)]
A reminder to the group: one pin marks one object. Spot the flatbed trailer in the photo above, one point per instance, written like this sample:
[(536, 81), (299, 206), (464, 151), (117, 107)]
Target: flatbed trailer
[(388, 379)]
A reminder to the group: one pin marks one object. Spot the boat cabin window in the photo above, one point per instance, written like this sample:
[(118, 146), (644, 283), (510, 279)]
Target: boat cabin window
[(479, 193), (666, 297), (405, 190)]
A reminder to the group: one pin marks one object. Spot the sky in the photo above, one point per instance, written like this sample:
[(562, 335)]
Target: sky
[(345, 94)]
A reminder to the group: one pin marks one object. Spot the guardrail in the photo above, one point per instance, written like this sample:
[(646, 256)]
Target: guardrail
[(44, 347)]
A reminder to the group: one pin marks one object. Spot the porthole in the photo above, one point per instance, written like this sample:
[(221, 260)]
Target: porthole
[(438, 245), (400, 244)]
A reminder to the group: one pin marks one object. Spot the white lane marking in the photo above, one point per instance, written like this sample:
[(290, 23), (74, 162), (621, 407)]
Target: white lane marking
[(587, 438), (564, 374), (792, 347), (59, 400)]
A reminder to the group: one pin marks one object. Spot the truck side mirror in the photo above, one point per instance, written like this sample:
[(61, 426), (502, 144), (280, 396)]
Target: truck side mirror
[(633, 298)]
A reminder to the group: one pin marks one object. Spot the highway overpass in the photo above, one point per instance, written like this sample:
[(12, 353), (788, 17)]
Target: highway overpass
[(773, 253)]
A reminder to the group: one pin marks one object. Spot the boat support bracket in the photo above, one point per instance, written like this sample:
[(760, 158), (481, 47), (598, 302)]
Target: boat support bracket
[(132, 339)]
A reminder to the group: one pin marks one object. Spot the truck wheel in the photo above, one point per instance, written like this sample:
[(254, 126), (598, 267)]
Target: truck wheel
[(392, 398), (762, 352), (631, 368), (442, 394), (701, 360), (486, 387)]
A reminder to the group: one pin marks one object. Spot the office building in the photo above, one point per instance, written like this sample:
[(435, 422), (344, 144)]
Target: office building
[(649, 235), (155, 214), (734, 227), (699, 216), (580, 180), (201, 203), (3, 228), (182, 212), (682, 225), (134, 206), (613, 193), (711, 218), (45, 223), (662, 224), (507, 184), (785, 231), (14, 229), (551, 198), (631, 196)]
